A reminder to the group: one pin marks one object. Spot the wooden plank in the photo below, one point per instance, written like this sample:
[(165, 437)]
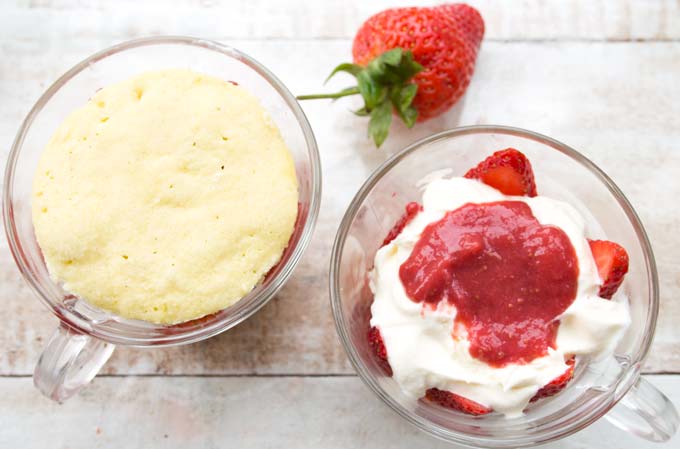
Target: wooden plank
[(621, 107), (335, 412), (53, 20)]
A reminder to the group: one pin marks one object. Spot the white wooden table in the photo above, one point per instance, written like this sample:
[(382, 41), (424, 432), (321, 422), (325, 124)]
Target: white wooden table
[(602, 76)]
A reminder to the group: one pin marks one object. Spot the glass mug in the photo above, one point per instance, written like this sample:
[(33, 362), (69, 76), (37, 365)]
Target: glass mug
[(612, 387), (86, 335)]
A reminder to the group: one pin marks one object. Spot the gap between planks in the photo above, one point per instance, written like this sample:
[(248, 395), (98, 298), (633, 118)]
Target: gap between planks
[(259, 376), (538, 40), (226, 376)]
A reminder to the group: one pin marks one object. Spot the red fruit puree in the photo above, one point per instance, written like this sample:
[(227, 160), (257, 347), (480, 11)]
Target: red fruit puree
[(508, 276)]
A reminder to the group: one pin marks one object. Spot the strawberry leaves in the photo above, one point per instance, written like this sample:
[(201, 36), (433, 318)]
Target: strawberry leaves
[(352, 69), (402, 99), (385, 86), (379, 123)]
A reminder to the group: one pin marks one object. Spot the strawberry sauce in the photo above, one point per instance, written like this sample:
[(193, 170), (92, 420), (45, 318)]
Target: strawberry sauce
[(508, 276)]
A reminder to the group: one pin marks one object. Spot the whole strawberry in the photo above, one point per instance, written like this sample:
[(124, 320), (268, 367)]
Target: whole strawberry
[(415, 62)]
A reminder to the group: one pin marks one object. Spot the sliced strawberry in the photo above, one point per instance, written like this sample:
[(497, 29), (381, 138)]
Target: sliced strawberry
[(412, 210), (612, 265), (557, 384), (375, 341), (456, 402), (508, 171)]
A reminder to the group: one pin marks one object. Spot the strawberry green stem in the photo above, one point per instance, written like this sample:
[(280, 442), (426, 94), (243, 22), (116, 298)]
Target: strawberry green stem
[(344, 93), (386, 85)]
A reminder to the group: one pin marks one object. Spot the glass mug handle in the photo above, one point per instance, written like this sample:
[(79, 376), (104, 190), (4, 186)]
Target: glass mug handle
[(69, 362), (646, 412)]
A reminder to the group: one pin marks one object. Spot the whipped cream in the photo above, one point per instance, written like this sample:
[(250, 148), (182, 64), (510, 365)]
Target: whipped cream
[(419, 343)]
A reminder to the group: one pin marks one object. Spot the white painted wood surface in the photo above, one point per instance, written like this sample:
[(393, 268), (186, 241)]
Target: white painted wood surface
[(244, 413), (617, 20), (598, 75)]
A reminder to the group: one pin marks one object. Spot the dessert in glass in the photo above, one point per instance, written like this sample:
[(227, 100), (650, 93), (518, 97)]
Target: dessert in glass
[(486, 293), (159, 193), (480, 292)]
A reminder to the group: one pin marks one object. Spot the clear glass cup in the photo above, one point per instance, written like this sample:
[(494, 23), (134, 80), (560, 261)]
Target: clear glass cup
[(612, 388), (86, 335)]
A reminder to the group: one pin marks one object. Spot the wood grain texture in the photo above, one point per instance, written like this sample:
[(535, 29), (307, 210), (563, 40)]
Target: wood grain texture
[(245, 413), (329, 19), (620, 107), (598, 75)]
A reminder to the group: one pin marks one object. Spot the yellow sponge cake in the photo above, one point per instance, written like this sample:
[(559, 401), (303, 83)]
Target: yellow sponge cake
[(165, 198)]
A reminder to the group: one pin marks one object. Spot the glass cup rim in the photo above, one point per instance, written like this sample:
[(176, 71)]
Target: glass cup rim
[(339, 317), (79, 324)]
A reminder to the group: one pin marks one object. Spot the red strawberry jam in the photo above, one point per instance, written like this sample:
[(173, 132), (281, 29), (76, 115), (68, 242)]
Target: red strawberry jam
[(508, 276)]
